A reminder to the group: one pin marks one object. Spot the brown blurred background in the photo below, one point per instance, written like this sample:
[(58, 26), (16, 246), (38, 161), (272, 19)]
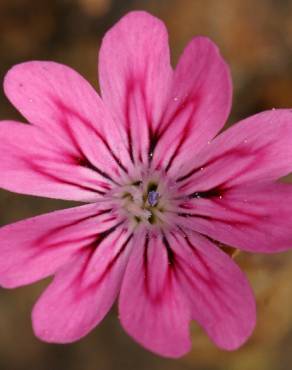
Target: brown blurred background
[(255, 36)]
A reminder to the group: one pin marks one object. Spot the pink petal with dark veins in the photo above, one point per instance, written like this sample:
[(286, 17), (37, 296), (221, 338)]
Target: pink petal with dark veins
[(60, 101), (34, 162), (152, 306), (135, 76), (255, 218), (219, 294), (199, 104), (35, 248), (83, 291), (257, 149)]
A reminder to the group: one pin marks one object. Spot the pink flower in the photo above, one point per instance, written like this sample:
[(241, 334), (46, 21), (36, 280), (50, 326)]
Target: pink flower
[(163, 193)]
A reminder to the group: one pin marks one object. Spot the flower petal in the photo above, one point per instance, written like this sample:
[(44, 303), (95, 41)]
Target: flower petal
[(33, 162), (253, 218), (257, 149), (220, 296), (83, 291), (135, 76), (37, 247), (152, 308), (60, 101), (199, 105)]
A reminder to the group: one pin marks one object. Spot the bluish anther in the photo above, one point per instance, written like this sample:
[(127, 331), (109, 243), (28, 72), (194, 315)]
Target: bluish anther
[(153, 198)]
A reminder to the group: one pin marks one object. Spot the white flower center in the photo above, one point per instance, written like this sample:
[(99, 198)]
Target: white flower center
[(145, 201)]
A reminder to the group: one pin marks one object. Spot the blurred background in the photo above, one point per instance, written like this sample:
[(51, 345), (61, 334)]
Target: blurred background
[(255, 37)]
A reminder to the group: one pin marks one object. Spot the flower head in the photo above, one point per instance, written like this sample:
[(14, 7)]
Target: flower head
[(163, 190)]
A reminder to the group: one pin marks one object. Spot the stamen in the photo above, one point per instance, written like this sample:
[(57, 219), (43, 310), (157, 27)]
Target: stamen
[(153, 198)]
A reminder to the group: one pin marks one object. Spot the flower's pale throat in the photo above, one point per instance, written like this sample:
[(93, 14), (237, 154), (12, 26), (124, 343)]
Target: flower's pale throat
[(145, 201)]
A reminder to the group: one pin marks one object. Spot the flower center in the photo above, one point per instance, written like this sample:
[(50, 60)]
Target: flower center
[(144, 201)]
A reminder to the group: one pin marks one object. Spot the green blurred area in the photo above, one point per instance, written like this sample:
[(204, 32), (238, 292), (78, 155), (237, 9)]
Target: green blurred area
[(255, 37)]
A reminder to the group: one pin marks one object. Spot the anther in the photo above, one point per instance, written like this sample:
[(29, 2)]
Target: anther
[(153, 197)]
